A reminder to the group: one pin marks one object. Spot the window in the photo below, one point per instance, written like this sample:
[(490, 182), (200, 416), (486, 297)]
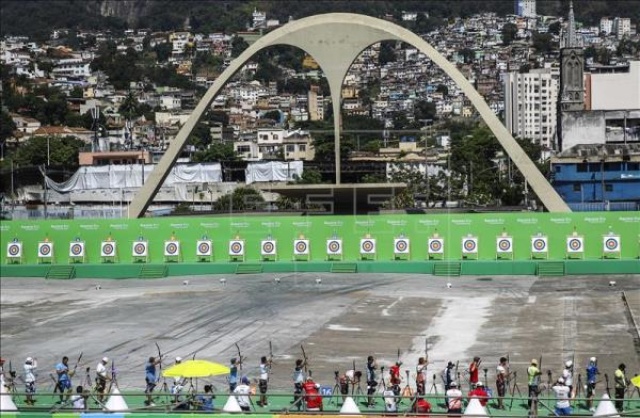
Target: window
[(581, 168), (577, 187), (612, 167), (608, 187), (290, 148), (558, 169), (303, 148), (633, 166)]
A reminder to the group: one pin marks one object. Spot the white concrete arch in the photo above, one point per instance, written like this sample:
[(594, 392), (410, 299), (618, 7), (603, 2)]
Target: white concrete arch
[(335, 40)]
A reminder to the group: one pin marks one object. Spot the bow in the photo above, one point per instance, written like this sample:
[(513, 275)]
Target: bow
[(304, 356), (270, 362), (240, 359), (73, 372), (426, 350), (159, 360)]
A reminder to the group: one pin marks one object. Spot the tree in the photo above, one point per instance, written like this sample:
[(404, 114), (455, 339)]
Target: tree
[(215, 153), (163, 51), (555, 27), (509, 32), (241, 199), (6, 127), (238, 45), (542, 42), (387, 52), (309, 176), (424, 110), (61, 151)]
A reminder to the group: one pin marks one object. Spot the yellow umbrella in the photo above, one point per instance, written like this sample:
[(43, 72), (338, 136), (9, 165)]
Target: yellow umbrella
[(636, 381), (196, 368)]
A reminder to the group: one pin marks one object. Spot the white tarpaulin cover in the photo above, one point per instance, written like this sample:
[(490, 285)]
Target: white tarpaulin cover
[(130, 176), (273, 171)]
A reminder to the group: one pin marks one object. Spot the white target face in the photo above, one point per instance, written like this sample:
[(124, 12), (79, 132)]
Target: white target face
[(14, 250), (334, 246), (401, 246), (367, 246), (268, 247), (436, 245), (301, 247), (469, 245), (140, 249), (539, 245), (203, 248), (611, 243), (108, 249), (45, 249), (575, 244), (504, 244), (76, 249), (236, 247), (171, 248)]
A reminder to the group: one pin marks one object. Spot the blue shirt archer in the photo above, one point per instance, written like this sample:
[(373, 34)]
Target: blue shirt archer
[(150, 372), (64, 376), (592, 371)]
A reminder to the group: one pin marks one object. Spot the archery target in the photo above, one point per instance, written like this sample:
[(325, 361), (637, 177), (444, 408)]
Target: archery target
[(401, 246), (611, 243), (108, 249), (469, 245), (367, 246), (76, 249), (171, 248), (504, 244), (436, 246), (14, 250), (236, 247), (268, 247), (140, 249), (334, 246), (45, 249), (203, 248), (301, 247), (575, 244), (539, 245)]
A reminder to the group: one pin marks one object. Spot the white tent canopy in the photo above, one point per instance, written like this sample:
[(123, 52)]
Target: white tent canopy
[(273, 171), (130, 176)]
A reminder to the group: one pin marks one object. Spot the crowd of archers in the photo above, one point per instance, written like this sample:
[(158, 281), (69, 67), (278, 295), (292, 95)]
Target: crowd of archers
[(307, 394)]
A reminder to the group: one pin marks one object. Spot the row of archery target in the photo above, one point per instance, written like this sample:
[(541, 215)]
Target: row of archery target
[(334, 246)]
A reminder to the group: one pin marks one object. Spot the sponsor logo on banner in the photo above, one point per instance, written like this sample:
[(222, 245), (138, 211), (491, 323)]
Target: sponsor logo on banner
[(302, 224), (140, 249), (560, 221), (574, 244), (119, 226), (401, 246), (539, 244), (436, 245), (45, 249), (301, 247), (611, 243), (5, 228), (595, 220), (30, 227), (63, 227), (461, 222), (179, 226), (14, 249), (527, 221), (630, 219), (334, 246), (209, 224), (494, 221), (93, 227), (240, 224), (429, 222), (469, 245), (396, 222), (171, 248), (334, 223), (271, 224), (149, 226), (365, 223), (268, 247), (108, 249), (236, 247), (367, 246), (76, 249)]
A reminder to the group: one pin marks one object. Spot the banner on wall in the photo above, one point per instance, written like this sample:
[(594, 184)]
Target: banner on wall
[(367, 246), (301, 247), (204, 248)]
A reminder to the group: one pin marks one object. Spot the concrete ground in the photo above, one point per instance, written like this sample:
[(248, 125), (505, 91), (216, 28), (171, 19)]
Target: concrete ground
[(338, 318)]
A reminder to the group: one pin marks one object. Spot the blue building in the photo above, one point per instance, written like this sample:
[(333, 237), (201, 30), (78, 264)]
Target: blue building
[(598, 177)]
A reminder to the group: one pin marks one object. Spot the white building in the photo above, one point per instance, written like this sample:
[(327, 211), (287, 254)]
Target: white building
[(526, 8), (606, 25), (617, 91), (622, 27), (530, 105)]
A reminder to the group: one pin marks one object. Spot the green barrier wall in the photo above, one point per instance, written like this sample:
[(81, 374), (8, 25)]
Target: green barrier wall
[(384, 228)]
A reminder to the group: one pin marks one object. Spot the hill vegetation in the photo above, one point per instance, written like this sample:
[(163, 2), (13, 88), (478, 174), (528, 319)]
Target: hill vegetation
[(38, 18)]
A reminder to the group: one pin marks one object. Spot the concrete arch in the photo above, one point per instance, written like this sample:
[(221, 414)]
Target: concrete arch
[(335, 40)]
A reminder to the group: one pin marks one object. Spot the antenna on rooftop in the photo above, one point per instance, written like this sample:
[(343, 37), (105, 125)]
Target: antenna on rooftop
[(95, 115)]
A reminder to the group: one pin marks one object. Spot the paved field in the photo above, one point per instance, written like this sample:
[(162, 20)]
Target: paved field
[(338, 318)]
